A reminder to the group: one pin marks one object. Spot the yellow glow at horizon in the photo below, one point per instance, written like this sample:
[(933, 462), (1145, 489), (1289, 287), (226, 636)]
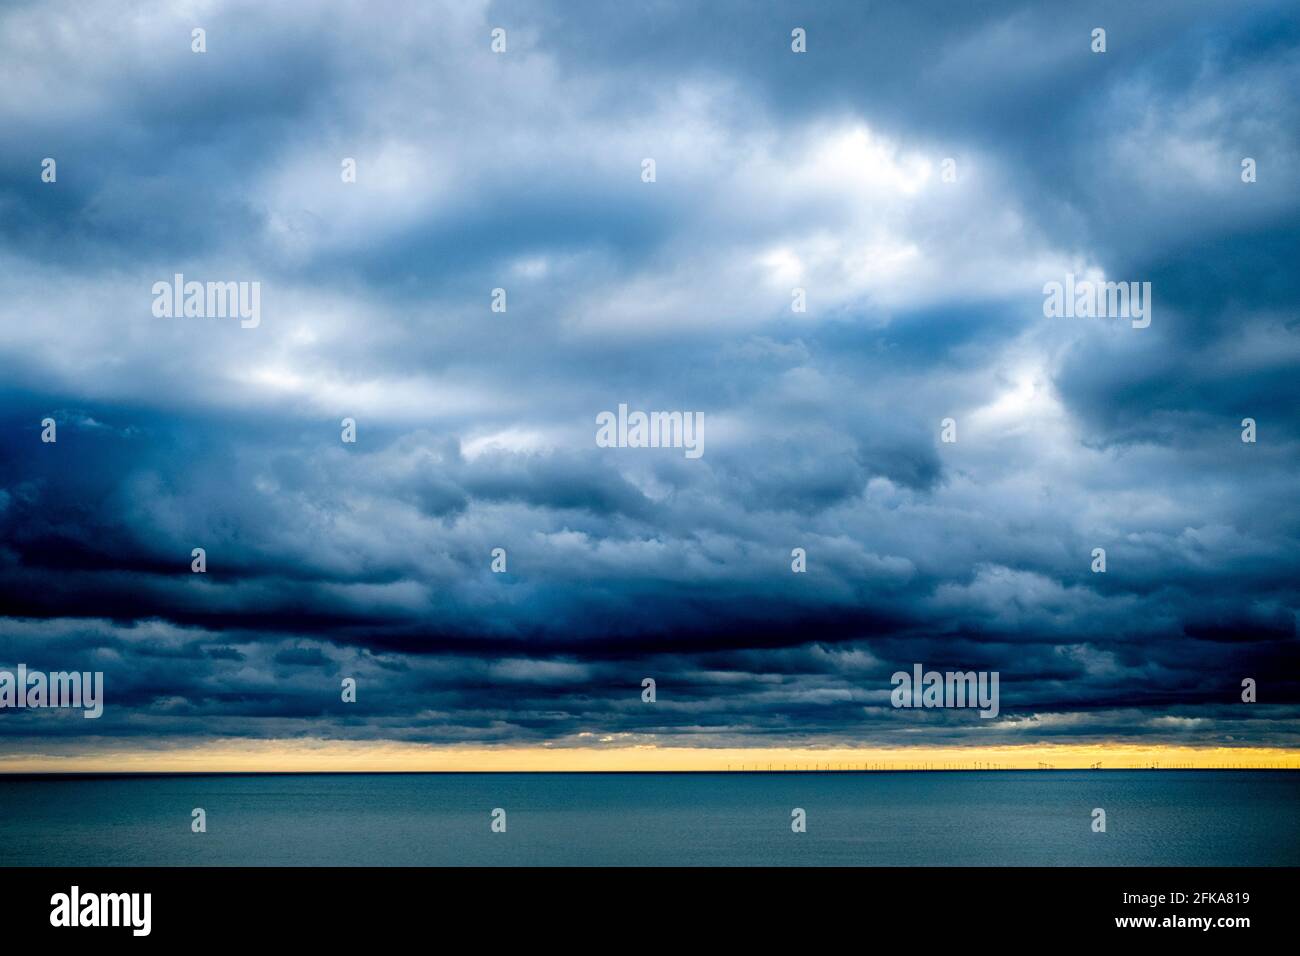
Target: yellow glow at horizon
[(353, 756)]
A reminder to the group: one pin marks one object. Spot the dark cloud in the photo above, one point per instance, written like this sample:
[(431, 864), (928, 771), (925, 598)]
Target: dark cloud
[(475, 428)]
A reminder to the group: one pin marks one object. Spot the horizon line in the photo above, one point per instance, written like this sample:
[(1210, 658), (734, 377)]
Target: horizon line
[(315, 755), (844, 770)]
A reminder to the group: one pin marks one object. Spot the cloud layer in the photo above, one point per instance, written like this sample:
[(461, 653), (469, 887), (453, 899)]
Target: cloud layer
[(774, 171)]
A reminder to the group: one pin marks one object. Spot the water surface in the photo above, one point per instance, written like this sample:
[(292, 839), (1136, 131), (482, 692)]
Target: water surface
[(1006, 818)]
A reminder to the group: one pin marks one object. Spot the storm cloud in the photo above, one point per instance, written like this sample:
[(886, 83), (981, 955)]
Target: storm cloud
[(821, 171)]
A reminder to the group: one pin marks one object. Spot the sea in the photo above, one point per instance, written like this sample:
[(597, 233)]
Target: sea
[(879, 818)]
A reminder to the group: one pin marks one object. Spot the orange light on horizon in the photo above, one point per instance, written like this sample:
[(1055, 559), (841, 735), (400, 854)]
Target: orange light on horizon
[(323, 756)]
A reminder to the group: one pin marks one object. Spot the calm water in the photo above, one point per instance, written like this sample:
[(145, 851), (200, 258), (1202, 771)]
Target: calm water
[(1196, 818)]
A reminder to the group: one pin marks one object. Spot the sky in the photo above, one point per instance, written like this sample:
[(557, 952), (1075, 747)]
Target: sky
[(523, 170)]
